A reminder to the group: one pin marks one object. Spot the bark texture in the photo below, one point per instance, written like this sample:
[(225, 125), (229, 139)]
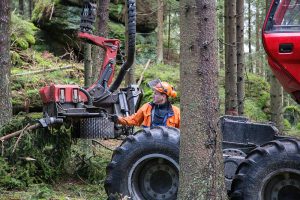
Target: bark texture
[(21, 7), (276, 93), (5, 93), (240, 55), (251, 68), (160, 31), (201, 162), (231, 106), (101, 30), (258, 22), (30, 8), (221, 33), (87, 65)]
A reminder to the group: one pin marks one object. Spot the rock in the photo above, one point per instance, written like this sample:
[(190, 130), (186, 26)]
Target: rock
[(60, 24), (146, 15)]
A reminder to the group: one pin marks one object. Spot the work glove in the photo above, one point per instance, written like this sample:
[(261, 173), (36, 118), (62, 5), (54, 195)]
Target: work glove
[(114, 118)]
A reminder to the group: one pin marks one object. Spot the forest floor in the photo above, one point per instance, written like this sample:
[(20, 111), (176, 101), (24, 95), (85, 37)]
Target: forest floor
[(67, 188)]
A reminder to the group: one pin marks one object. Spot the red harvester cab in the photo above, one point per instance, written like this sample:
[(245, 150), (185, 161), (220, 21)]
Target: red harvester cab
[(281, 39)]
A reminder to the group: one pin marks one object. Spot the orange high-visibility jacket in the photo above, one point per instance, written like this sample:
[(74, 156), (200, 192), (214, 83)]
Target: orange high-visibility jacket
[(143, 117)]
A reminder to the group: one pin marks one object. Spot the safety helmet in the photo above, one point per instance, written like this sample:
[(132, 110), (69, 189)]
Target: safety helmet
[(165, 88)]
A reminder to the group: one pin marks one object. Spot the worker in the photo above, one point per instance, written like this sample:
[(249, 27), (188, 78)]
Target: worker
[(159, 112)]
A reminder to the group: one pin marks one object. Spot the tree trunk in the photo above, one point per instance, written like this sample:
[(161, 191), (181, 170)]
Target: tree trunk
[(221, 12), (251, 68), (87, 65), (169, 31), (5, 100), (160, 31), (240, 55), (226, 33), (30, 8), (101, 30), (231, 106), (259, 67), (276, 93), (129, 78), (201, 161), (21, 8)]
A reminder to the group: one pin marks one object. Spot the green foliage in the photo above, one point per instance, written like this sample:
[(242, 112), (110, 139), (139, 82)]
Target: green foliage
[(22, 34), (257, 95), (30, 39), (298, 126), (43, 9), (91, 169), (253, 111), (41, 61), (116, 30), (42, 191), (169, 73), (44, 156), (145, 47), (5, 178), (115, 10), (36, 157), (15, 58), (286, 124), (255, 85), (292, 114), (22, 43), (257, 99)]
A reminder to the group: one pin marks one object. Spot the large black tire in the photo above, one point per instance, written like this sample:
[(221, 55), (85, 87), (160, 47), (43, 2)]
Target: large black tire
[(270, 172), (145, 166)]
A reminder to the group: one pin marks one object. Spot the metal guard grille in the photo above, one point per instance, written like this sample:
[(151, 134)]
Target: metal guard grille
[(97, 127)]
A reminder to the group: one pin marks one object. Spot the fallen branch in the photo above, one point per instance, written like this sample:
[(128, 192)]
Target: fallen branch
[(14, 134), (45, 70), (142, 75), (19, 138), (102, 145), (52, 10), (27, 158)]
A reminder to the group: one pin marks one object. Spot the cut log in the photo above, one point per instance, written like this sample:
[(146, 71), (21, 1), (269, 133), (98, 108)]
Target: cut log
[(45, 70)]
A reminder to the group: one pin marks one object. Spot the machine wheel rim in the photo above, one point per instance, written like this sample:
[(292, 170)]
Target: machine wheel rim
[(283, 184), (154, 177)]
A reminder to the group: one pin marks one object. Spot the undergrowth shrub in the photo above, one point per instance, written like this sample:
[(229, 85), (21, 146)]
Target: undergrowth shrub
[(44, 156), (286, 124), (22, 34), (35, 157), (292, 114), (91, 169)]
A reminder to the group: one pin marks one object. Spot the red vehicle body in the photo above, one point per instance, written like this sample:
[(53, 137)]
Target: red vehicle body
[(72, 93), (281, 39)]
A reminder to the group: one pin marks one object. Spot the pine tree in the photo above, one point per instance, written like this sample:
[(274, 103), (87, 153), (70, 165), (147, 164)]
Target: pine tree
[(201, 162), (231, 106), (5, 100), (240, 55)]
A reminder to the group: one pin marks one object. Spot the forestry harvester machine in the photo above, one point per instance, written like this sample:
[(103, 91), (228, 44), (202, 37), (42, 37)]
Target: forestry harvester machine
[(89, 109), (258, 163)]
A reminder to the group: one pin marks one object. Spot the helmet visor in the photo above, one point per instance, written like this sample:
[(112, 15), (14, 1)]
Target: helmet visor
[(154, 83)]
